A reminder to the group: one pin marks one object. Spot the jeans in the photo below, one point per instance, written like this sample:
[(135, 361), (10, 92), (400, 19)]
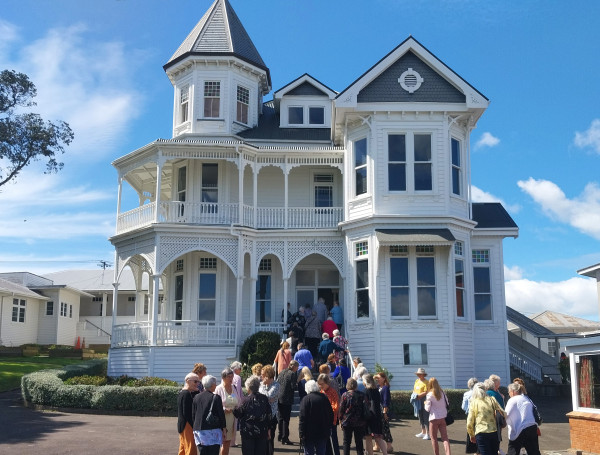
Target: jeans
[(359, 433), (285, 411), (488, 443), (315, 447), (528, 438)]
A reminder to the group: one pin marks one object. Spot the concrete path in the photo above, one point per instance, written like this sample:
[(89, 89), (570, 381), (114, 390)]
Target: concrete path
[(24, 430)]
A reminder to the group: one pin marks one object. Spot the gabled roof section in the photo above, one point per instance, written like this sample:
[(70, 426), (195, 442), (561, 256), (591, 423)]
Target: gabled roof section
[(18, 290), (219, 32), (268, 129), (437, 70), (305, 85), (526, 323), (492, 215)]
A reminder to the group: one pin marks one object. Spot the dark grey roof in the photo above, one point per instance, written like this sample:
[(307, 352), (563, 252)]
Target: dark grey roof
[(392, 51), (526, 323), (306, 88), (295, 88), (219, 32), (268, 128), (491, 215), (386, 88)]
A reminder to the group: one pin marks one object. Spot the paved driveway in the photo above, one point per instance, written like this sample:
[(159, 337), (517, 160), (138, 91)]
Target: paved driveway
[(24, 430)]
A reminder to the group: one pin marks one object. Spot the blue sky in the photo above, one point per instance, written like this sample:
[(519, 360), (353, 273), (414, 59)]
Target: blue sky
[(98, 66)]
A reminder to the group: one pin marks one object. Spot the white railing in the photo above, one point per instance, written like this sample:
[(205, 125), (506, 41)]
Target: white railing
[(138, 217), (174, 333), (228, 213), (527, 365), (276, 327)]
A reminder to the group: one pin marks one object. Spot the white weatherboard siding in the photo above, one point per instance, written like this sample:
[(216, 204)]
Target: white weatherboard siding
[(464, 358), (47, 324), (18, 333)]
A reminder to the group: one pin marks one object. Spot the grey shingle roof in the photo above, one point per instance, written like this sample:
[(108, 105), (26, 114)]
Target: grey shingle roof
[(491, 215), (219, 32), (386, 88), (306, 89), (268, 128)]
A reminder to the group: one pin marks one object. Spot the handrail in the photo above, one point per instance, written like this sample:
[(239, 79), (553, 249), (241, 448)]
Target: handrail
[(99, 328), (525, 364)]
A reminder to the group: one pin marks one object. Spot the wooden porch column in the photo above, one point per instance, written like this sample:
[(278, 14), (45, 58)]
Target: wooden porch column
[(253, 304), (241, 189), (285, 300), (159, 166), (238, 311), (285, 195), (154, 323), (255, 195), (114, 307), (103, 310)]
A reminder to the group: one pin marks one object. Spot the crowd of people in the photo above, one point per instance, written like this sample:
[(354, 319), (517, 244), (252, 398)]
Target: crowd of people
[(210, 415)]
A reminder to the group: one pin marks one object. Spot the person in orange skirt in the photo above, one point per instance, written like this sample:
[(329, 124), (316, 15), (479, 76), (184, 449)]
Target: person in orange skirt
[(185, 421)]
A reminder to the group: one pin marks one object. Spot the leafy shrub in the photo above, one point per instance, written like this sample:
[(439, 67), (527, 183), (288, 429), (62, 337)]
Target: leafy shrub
[(87, 380), (401, 406), (148, 381), (382, 369), (65, 347), (260, 347)]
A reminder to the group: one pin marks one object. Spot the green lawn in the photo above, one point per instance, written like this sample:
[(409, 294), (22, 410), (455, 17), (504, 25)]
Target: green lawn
[(13, 368)]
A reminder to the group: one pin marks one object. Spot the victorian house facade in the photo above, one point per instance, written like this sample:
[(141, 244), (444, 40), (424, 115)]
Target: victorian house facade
[(361, 195)]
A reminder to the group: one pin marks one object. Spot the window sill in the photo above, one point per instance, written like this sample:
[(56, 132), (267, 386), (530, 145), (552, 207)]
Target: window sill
[(245, 125), (211, 119)]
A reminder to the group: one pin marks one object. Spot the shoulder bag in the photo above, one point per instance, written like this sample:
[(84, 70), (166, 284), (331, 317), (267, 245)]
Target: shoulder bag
[(449, 417), (212, 419)]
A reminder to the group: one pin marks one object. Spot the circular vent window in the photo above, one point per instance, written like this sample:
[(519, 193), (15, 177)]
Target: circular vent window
[(410, 80)]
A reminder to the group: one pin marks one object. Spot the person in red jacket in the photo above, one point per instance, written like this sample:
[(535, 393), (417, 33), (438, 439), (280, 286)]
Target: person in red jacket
[(328, 327)]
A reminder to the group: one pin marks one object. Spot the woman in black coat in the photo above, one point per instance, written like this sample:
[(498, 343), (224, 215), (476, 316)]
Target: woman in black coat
[(316, 416), (209, 418), (254, 416), (374, 416), (185, 419)]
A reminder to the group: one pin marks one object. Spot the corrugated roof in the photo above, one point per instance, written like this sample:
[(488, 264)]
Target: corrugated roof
[(8, 287), (95, 279), (564, 321), (491, 215), (219, 32), (527, 324), (268, 128), (415, 236)]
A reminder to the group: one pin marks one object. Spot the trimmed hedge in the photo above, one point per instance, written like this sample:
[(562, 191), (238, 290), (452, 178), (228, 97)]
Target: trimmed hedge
[(260, 347), (46, 388)]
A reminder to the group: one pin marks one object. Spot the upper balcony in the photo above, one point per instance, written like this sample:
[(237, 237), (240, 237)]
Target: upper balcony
[(226, 214)]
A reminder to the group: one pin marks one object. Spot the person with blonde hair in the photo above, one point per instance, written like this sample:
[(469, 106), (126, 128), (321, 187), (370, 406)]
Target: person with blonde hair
[(492, 384), (270, 388), (326, 385), (419, 393), (256, 369), (283, 357), (229, 397), (200, 370), (374, 416), (305, 376), (436, 403), (481, 421)]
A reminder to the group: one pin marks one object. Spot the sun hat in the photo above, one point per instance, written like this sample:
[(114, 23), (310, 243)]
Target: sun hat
[(421, 371)]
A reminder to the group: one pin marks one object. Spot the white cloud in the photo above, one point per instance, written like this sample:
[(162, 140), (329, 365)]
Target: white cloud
[(41, 265), (513, 273), (9, 33), (582, 212), (88, 84), (575, 296), (590, 137), (487, 140), (478, 195)]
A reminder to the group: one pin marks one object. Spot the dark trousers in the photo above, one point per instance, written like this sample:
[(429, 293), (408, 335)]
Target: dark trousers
[(333, 447), (272, 427), (315, 447), (359, 433), (488, 443), (285, 411), (209, 450), (312, 345), (254, 446), (528, 438)]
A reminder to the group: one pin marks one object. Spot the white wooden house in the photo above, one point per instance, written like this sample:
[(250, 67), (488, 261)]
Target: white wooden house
[(361, 195)]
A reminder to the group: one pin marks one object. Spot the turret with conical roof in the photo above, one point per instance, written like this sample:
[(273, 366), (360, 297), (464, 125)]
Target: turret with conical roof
[(218, 75)]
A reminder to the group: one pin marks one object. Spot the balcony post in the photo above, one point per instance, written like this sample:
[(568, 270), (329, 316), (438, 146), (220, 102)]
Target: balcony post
[(159, 166), (154, 323), (238, 310), (286, 195), (253, 304), (114, 305), (255, 195), (120, 191)]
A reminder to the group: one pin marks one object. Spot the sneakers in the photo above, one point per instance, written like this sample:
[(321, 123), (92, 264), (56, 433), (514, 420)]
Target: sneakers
[(420, 435), (426, 437)]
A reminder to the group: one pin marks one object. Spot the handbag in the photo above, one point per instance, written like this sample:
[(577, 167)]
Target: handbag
[(536, 413), (449, 417), (212, 419), (471, 447), (500, 420)]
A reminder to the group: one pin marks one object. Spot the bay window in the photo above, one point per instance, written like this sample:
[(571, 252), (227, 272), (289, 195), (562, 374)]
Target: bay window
[(410, 162), (482, 285), (243, 100), (456, 167), (212, 99), (360, 167)]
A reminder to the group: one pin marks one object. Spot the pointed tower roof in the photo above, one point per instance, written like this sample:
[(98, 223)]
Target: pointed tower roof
[(220, 32)]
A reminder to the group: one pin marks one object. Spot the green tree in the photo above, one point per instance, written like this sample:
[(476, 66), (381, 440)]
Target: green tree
[(26, 136)]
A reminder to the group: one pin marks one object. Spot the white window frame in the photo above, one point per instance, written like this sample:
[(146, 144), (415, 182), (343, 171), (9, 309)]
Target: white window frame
[(242, 106), (19, 316), (264, 269), (456, 167), (205, 87), (361, 254), (308, 122), (176, 301), (459, 249), (49, 306), (324, 183), (289, 116), (184, 104), (356, 168), (414, 347), (410, 162), (482, 261), (213, 270)]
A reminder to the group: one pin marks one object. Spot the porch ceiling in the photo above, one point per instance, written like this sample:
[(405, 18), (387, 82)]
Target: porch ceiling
[(415, 236)]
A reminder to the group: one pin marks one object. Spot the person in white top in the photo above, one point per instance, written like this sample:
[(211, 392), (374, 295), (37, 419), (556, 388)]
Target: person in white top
[(436, 405), (522, 429)]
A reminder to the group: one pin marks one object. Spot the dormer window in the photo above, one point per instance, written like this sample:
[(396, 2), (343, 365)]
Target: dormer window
[(316, 115), (212, 99), (243, 99), (296, 115)]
